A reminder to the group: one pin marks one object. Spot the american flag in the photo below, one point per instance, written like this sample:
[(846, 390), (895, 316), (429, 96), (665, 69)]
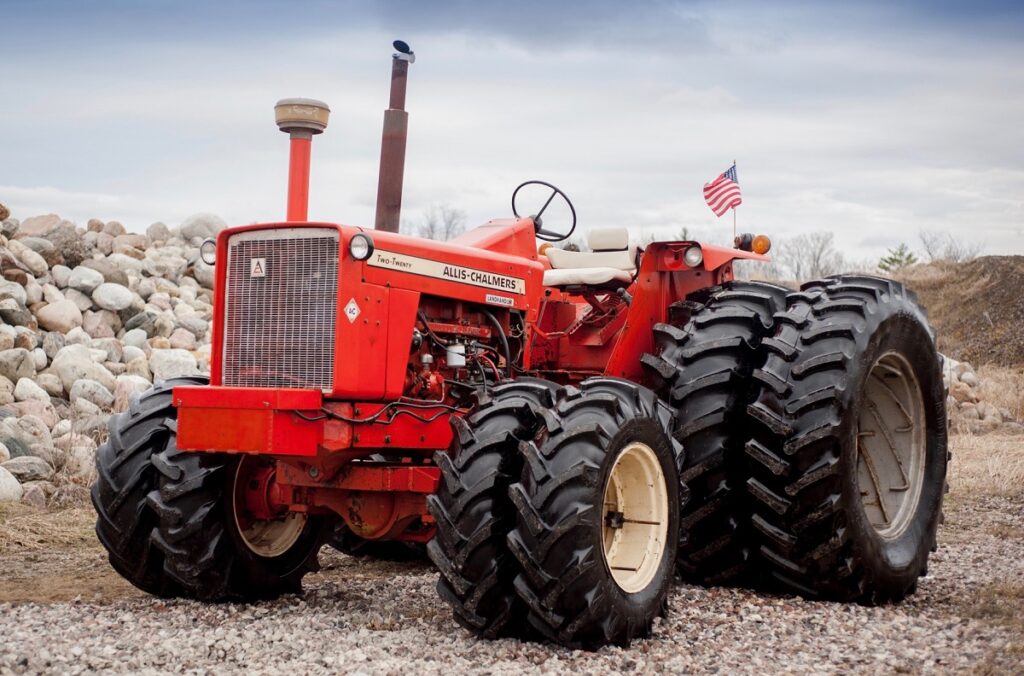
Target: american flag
[(723, 193)]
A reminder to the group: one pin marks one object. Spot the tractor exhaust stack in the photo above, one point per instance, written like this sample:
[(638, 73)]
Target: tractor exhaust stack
[(301, 119), (392, 145)]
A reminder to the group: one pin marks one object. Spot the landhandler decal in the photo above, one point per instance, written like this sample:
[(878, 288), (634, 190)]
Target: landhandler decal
[(452, 273)]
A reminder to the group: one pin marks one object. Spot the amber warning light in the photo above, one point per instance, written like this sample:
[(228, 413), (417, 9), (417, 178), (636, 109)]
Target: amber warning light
[(759, 244)]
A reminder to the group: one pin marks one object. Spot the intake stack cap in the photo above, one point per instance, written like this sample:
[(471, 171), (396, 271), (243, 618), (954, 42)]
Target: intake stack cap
[(301, 115)]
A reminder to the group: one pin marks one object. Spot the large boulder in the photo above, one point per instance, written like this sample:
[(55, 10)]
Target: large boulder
[(158, 232), (85, 279), (14, 291), (110, 271), (17, 363), (60, 275), (75, 362), (201, 225), (167, 364), (91, 391), (43, 410), (113, 297), (15, 313), (51, 384), (10, 487), (27, 389), (27, 435), (39, 226), (182, 339), (203, 273), (61, 316), (128, 385), (32, 261), (29, 468)]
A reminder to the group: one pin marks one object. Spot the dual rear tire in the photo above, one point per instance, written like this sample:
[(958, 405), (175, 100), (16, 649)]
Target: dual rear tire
[(803, 447)]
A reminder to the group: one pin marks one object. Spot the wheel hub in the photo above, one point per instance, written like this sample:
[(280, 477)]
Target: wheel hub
[(636, 515), (891, 446), (267, 529)]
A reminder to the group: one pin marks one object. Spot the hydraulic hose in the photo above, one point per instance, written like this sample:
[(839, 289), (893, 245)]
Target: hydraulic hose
[(504, 340)]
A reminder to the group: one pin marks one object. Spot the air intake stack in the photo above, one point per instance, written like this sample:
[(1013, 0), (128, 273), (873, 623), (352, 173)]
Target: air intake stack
[(301, 119), (392, 145)]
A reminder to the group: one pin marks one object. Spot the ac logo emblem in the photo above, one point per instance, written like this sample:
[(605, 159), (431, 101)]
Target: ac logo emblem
[(257, 267)]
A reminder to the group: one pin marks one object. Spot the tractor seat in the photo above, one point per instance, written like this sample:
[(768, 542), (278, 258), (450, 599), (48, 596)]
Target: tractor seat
[(612, 260)]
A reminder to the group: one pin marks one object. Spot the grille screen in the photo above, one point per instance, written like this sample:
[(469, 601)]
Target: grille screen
[(280, 307)]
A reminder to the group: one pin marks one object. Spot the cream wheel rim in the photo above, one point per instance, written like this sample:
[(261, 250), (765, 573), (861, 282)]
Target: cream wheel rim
[(891, 441), (636, 515), (268, 538)]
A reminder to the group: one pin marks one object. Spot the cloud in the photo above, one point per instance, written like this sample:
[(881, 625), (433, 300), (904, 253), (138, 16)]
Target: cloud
[(873, 121)]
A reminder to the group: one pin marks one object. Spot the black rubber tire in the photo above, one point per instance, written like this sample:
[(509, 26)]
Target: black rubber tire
[(705, 367), (203, 550), (474, 512), (815, 538), (565, 581), (125, 476)]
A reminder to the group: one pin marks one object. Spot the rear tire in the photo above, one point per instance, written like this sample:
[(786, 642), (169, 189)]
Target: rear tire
[(706, 367), (852, 405), (125, 476), (473, 509), (598, 514), (209, 550)]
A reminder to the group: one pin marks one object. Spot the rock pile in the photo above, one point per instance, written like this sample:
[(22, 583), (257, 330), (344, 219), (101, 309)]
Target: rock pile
[(966, 406), (89, 317)]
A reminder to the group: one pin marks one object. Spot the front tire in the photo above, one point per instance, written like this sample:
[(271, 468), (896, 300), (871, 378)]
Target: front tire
[(213, 547), (473, 509), (125, 476), (598, 515)]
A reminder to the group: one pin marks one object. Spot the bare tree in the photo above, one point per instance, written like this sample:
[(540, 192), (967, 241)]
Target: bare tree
[(942, 246), (959, 251), (809, 256), (932, 243), (442, 222)]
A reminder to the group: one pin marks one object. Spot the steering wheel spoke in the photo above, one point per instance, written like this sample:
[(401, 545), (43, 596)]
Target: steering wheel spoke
[(541, 232)]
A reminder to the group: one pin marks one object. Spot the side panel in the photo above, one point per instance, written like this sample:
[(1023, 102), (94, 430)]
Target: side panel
[(664, 279)]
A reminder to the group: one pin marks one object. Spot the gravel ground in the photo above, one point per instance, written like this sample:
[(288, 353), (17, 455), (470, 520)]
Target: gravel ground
[(62, 610)]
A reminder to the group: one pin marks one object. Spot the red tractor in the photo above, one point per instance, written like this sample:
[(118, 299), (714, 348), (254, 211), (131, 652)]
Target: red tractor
[(566, 431)]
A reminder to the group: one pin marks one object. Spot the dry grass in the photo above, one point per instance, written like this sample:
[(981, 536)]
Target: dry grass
[(1003, 387), (992, 464), (1000, 604), (24, 528)]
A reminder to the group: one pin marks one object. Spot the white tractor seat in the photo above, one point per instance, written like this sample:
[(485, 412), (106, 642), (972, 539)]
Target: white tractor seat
[(612, 260)]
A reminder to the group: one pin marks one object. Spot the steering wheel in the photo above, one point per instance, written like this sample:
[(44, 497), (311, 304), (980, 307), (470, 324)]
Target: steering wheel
[(541, 233)]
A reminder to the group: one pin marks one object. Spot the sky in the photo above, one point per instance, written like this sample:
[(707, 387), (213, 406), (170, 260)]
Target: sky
[(871, 120)]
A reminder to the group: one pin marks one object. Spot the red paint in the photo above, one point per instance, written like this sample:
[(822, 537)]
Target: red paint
[(311, 438), (298, 178)]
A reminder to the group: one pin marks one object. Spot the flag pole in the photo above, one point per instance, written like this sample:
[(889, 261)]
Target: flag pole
[(734, 208)]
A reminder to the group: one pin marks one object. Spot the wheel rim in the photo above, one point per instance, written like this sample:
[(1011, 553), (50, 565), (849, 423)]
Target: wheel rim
[(267, 538), (636, 517), (891, 446)]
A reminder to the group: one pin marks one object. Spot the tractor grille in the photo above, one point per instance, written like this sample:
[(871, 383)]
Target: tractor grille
[(280, 308)]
